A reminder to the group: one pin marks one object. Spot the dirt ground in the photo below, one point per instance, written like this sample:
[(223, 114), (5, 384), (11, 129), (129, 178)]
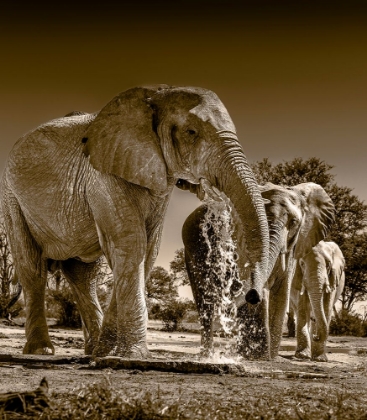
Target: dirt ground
[(346, 370)]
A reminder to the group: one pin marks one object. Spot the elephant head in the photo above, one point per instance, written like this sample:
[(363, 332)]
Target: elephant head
[(299, 217), (156, 136)]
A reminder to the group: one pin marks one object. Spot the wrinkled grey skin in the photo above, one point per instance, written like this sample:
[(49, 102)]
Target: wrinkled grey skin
[(298, 218), (91, 184), (317, 284)]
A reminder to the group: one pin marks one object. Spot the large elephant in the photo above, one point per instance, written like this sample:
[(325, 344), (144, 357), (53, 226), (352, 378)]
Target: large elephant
[(298, 217), (317, 284), (83, 185)]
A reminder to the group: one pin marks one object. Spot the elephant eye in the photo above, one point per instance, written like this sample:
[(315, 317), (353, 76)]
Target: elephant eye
[(293, 222), (191, 132)]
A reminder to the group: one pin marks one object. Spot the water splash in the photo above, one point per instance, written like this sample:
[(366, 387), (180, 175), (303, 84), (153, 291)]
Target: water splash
[(221, 266), (221, 357)]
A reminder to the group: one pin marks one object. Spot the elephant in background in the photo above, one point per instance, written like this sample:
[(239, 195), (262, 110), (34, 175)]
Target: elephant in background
[(298, 217), (91, 184), (317, 285)]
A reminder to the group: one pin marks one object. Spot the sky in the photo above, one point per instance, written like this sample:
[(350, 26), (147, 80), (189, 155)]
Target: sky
[(293, 75)]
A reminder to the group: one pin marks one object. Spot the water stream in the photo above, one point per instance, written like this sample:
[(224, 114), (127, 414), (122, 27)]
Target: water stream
[(222, 271)]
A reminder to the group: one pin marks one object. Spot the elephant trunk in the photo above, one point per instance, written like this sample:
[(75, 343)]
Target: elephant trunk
[(319, 337), (316, 299), (236, 180)]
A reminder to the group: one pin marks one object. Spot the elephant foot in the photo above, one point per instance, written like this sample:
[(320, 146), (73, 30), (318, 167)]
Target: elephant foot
[(106, 344), (103, 351), (89, 347), (279, 359), (254, 353), (46, 349), (320, 358), (135, 352), (303, 354)]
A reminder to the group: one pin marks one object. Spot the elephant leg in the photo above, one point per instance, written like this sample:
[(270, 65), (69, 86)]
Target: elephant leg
[(126, 318), (278, 302), (82, 280), (31, 270), (303, 350), (108, 336), (124, 326)]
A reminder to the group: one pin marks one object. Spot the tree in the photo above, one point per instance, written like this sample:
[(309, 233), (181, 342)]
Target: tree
[(355, 253), (161, 286), (294, 172), (10, 288), (350, 227), (178, 268)]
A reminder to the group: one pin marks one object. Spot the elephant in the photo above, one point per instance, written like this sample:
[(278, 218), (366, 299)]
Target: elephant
[(317, 285), (298, 217), (88, 185)]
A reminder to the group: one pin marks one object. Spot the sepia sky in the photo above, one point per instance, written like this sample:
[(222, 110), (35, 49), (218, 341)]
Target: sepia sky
[(293, 78)]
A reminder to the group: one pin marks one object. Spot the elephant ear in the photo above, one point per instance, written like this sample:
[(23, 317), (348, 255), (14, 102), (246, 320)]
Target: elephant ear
[(122, 141), (319, 214)]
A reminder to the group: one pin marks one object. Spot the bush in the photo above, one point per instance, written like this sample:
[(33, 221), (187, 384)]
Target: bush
[(173, 314), (67, 313), (154, 311), (348, 323)]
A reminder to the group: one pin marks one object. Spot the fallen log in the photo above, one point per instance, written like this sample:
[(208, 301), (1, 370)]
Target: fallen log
[(55, 360)]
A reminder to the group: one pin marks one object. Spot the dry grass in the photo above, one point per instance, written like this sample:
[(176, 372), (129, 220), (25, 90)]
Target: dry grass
[(101, 401)]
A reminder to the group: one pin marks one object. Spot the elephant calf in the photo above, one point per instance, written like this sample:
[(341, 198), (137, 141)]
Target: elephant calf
[(317, 285)]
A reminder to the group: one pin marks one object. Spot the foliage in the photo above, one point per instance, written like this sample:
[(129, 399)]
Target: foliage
[(350, 227), (10, 305), (67, 313), (355, 254), (173, 314), (348, 323), (293, 172), (178, 268), (160, 287)]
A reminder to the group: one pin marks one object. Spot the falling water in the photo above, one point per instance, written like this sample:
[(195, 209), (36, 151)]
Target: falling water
[(222, 272)]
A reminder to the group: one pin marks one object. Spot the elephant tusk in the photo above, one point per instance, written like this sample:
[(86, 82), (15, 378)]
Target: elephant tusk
[(302, 289), (282, 258), (207, 190)]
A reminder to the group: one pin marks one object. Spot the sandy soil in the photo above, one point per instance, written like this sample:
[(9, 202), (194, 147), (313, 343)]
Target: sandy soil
[(346, 369)]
